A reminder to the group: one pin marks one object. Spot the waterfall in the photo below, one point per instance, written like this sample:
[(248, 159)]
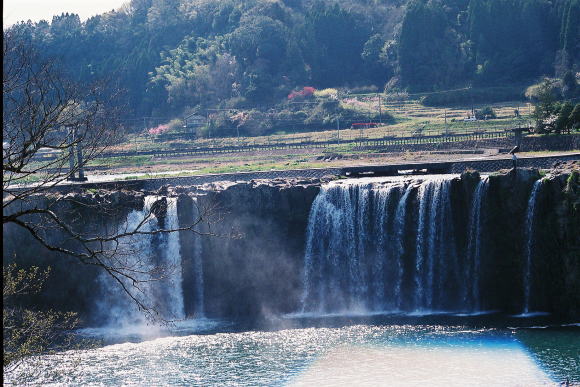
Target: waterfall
[(173, 262), (530, 223), (341, 245), (423, 197), (381, 229), (472, 265), (356, 244), (198, 269), (137, 255), (399, 230), (436, 258), (133, 252)]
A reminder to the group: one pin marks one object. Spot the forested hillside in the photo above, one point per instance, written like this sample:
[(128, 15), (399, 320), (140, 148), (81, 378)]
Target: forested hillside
[(172, 56)]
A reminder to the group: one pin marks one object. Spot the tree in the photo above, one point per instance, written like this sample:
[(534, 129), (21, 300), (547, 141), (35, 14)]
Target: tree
[(428, 51), (569, 85), (334, 44), (376, 66), (562, 122), (46, 118), (41, 110), (574, 118), (28, 333), (544, 110)]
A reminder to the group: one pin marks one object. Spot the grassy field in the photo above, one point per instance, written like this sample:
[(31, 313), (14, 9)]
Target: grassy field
[(411, 118)]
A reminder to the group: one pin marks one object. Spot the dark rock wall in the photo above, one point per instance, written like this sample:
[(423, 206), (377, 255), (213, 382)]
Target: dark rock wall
[(253, 260), (71, 284)]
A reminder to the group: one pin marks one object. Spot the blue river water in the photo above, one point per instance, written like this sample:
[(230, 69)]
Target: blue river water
[(221, 353)]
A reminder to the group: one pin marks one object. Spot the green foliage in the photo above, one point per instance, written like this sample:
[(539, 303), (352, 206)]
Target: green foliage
[(334, 43), (570, 88), (485, 113), (429, 55), (574, 118), (289, 118), (27, 332), (562, 122), (326, 93), (174, 55), (550, 114), (175, 124), (376, 60)]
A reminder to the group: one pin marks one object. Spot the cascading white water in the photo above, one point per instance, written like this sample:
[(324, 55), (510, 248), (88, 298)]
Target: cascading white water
[(383, 251), (423, 197), (138, 256), (347, 248), (173, 262), (355, 246), (471, 298), (198, 268), (399, 230), (435, 256), (134, 254), (530, 225)]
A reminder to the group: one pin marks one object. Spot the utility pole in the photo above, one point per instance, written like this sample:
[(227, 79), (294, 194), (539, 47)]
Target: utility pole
[(80, 161), (72, 138), (208, 126), (338, 129), (71, 155), (380, 110), (446, 129)]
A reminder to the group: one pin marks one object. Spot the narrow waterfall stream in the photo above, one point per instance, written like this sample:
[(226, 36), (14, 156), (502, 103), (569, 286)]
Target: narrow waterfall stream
[(139, 254), (530, 227), (172, 260), (471, 295), (115, 306), (436, 259), (198, 268)]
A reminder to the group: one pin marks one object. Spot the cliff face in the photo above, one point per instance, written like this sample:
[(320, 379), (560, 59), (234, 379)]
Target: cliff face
[(558, 247), (250, 260), (252, 263), (71, 284)]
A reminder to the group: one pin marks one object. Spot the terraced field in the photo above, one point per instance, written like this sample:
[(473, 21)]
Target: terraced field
[(411, 119)]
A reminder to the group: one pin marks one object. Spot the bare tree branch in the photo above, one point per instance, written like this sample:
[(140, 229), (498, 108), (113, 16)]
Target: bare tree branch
[(46, 113)]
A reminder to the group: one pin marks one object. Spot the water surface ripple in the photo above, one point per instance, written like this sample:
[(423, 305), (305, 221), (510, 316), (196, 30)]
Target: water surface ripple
[(353, 355)]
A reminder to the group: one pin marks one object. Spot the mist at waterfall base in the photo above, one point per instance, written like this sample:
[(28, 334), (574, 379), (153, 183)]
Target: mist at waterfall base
[(388, 296), (119, 316)]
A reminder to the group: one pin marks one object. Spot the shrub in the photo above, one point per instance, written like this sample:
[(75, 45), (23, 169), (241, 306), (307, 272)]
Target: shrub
[(307, 91), (574, 118), (237, 103), (158, 130), (485, 113), (363, 89), (175, 124), (326, 93)]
